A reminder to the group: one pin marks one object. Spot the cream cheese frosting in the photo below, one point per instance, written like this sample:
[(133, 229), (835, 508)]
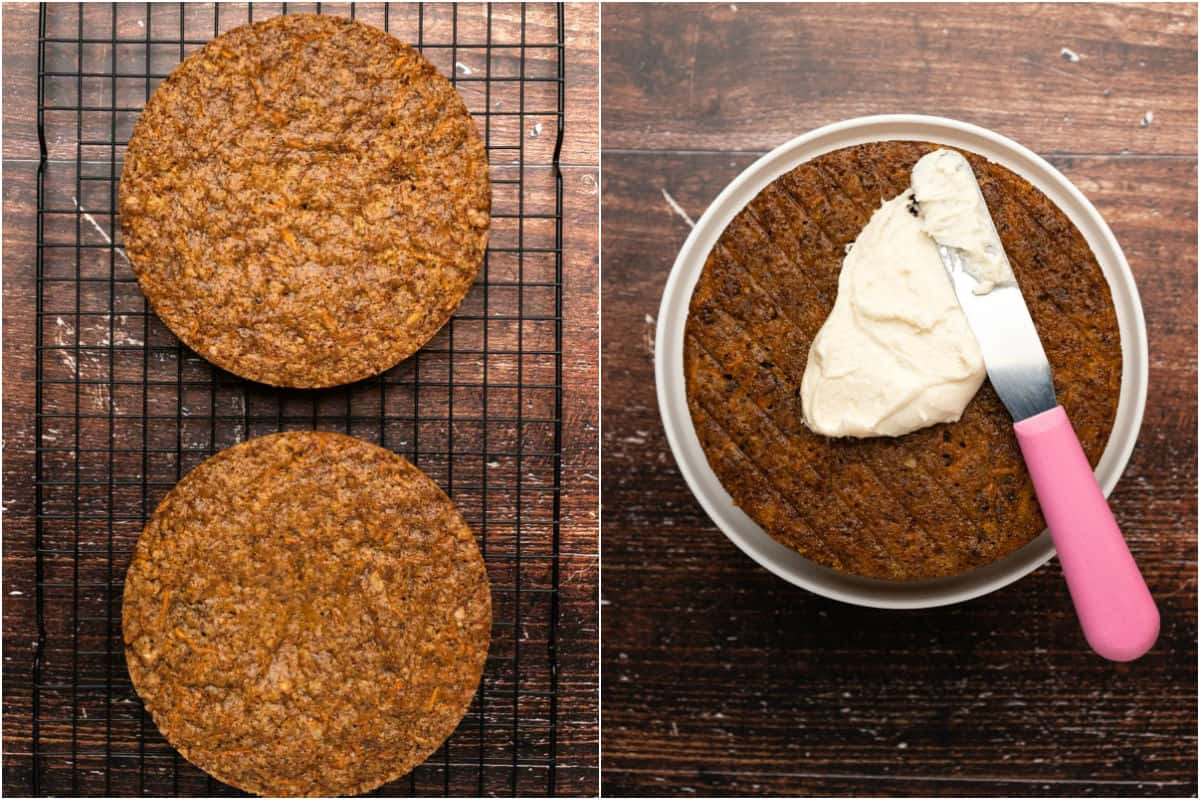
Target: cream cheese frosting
[(896, 353), (953, 211)]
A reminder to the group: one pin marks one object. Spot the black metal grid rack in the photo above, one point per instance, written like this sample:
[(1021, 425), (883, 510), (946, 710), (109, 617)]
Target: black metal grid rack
[(124, 409)]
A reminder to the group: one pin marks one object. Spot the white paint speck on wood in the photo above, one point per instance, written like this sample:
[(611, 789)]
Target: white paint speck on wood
[(103, 233), (678, 209)]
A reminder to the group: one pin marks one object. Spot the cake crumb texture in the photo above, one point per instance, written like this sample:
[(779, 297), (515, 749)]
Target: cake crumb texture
[(305, 201), (306, 614)]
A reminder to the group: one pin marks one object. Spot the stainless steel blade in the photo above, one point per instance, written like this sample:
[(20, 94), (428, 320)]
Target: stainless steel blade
[(1012, 351)]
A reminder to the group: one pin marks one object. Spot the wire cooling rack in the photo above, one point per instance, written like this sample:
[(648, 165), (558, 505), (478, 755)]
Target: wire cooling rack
[(124, 409)]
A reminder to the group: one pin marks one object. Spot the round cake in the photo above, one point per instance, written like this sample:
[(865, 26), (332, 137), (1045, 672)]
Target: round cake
[(306, 614), (937, 502), (305, 201)]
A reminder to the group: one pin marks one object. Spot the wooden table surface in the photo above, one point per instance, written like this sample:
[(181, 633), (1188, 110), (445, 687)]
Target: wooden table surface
[(719, 678), (579, 567)]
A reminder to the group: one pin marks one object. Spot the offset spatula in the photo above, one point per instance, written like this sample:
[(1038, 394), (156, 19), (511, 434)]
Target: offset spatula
[(1115, 609)]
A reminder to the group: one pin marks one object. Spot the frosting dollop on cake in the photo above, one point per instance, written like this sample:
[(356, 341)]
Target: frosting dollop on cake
[(896, 353)]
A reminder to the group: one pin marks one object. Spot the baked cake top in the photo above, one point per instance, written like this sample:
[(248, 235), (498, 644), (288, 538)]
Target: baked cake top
[(306, 614), (305, 201)]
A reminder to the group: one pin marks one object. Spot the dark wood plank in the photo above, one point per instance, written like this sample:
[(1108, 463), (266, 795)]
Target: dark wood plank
[(20, 635), (20, 142), (582, 142), (749, 76), (20, 80), (579, 570)]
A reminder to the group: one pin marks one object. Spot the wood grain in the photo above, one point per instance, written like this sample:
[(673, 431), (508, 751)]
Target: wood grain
[(720, 678), (578, 565), (747, 77)]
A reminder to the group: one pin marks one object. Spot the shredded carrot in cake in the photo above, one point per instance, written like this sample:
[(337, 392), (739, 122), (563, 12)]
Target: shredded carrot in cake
[(235, 751), (290, 238), (1023, 502), (186, 639)]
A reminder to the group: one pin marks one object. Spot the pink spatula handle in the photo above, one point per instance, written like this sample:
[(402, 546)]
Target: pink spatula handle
[(1115, 609)]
